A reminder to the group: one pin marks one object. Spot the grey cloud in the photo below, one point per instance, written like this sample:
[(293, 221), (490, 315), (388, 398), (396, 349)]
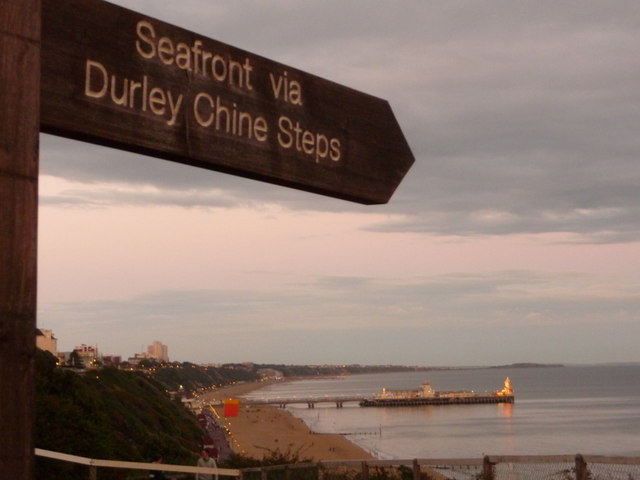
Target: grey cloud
[(106, 196), (513, 305)]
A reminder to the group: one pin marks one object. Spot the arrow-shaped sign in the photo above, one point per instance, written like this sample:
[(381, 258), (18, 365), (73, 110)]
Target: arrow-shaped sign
[(118, 78)]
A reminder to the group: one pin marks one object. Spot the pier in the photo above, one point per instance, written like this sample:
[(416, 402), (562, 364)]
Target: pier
[(396, 398), (417, 401), (338, 400), (367, 401)]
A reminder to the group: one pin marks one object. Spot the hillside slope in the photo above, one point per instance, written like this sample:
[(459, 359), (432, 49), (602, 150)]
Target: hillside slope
[(109, 414)]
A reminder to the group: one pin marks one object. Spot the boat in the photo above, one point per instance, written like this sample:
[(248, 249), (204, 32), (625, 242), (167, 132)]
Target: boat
[(426, 395)]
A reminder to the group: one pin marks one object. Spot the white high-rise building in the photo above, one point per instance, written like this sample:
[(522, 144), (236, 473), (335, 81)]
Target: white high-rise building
[(159, 351)]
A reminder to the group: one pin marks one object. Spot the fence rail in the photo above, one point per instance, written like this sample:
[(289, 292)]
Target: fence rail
[(94, 464), (491, 467)]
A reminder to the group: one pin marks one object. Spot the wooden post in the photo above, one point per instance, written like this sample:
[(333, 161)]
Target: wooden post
[(19, 130), (365, 471), (416, 469), (581, 468), (487, 468)]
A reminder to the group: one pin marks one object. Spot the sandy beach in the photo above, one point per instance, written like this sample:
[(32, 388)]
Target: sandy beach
[(259, 430)]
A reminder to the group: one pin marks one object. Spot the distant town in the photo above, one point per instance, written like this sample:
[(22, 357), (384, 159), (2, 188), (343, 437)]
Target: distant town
[(187, 380), (157, 354), (87, 356), (155, 362)]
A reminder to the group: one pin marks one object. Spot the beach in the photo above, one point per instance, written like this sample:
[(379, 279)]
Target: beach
[(259, 430)]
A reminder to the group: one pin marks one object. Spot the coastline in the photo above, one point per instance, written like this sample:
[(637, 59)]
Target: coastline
[(259, 430)]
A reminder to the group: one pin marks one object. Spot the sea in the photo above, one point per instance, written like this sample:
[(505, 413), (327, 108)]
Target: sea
[(563, 410)]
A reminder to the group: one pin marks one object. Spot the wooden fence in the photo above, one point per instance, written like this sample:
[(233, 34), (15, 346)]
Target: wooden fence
[(491, 467)]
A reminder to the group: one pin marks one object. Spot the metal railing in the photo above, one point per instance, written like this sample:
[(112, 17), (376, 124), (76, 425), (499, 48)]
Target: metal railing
[(491, 467)]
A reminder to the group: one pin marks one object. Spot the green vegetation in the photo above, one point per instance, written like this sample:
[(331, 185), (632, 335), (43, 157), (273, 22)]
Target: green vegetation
[(108, 414), (189, 377), (310, 471)]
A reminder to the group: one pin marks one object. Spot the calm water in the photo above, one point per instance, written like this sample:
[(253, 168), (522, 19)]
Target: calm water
[(566, 410)]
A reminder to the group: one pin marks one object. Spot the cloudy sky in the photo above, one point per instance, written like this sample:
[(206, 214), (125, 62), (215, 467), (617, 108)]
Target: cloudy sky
[(515, 237)]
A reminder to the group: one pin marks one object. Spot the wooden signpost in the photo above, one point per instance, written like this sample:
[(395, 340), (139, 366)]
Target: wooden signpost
[(19, 109), (118, 78), (107, 75)]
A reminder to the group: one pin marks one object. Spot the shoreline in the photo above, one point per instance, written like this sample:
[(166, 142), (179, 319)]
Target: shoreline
[(262, 430)]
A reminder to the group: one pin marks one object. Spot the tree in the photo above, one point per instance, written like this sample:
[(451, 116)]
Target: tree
[(75, 360)]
